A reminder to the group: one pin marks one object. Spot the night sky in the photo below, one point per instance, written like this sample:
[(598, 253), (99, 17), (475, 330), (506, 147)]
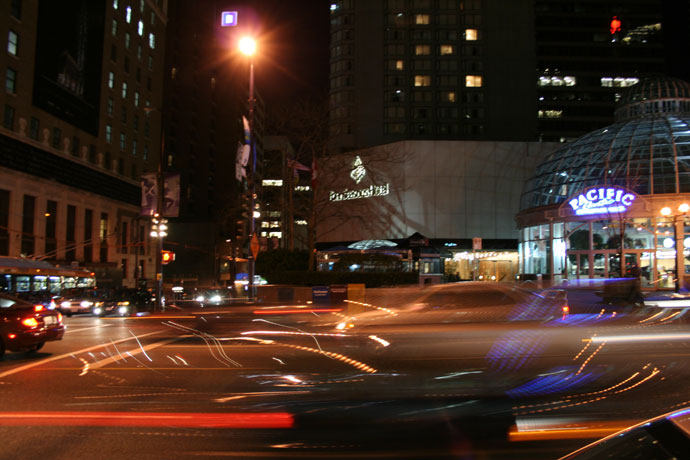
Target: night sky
[(294, 46)]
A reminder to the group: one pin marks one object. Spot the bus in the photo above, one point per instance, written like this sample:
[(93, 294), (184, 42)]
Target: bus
[(30, 278)]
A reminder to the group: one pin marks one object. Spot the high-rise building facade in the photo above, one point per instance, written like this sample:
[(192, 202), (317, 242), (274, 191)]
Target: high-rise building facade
[(80, 77), (515, 70)]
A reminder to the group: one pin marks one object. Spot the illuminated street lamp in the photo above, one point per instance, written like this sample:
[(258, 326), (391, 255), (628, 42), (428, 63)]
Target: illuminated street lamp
[(247, 46), (681, 211)]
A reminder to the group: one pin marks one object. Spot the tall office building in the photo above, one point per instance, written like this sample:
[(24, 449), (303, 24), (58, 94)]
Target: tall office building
[(80, 76), (508, 70)]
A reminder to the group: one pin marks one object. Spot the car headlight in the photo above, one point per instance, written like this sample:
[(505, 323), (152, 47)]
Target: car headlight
[(85, 304), (97, 311), (123, 310), (64, 304), (215, 298), (200, 298)]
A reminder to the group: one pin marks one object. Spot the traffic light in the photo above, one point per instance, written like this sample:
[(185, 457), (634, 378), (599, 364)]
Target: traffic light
[(167, 257)]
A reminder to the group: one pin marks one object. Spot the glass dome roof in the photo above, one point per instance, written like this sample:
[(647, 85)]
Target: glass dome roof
[(646, 151)]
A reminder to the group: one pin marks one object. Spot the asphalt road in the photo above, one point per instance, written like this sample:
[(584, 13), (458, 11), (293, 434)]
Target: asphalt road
[(216, 384)]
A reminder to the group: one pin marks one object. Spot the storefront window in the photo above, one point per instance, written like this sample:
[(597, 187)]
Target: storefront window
[(639, 234)]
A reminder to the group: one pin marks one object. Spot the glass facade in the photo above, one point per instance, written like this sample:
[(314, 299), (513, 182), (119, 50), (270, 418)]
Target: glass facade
[(647, 154)]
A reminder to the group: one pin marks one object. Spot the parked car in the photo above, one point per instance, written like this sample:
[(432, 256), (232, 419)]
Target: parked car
[(25, 326)]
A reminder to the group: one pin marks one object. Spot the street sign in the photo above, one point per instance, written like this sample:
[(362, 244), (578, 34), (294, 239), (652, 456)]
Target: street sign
[(254, 246), (476, 244), (228, 18)]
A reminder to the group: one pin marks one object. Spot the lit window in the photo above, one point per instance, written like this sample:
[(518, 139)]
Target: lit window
[(272, 182), (421, 19), (447, 49), (111, 80), (12, 42), (140, 28), (139, 52), (422, 50), (115, 4), (449, 96), (141, 5), (606, 82), (110, 106), (557, 81), (473, 81), (422, 80), (108, 133), (399, 65), (301, 222), (152, 41), (113, 28), (123, 141), (265, 225), (275, 234), (124, 89), (127, 40), (471, 34), (136, 98), (550, 113), (128, 14), (11, 80), (301, 188)]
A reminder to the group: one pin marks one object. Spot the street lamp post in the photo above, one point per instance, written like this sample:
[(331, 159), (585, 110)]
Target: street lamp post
[(247, 47), (682, 211), (159, 228)]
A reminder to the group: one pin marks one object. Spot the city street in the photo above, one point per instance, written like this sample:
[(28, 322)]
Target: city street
[(115, 387)]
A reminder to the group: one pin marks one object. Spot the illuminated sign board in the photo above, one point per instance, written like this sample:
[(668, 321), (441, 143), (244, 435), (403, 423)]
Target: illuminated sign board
[(602, 200), (357, 174), (228, 18)]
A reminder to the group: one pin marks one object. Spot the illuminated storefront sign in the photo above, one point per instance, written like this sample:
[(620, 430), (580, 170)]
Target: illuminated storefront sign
[(357, 174), (602, 201)]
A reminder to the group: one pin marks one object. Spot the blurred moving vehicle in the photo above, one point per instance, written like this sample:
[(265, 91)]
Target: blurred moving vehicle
[(74, 301), (213, 296), (466, 302), (27, 327), (127, 302), (664, 437)]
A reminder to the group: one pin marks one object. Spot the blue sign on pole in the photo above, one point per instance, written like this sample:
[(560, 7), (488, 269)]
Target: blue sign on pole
[(228, 18), (321, 295)]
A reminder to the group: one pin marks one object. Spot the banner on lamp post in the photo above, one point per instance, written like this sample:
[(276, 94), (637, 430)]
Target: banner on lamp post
[(171, 194)]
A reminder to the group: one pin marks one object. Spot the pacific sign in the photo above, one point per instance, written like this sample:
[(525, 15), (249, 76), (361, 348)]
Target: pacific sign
[(601, 201), (357, 174)]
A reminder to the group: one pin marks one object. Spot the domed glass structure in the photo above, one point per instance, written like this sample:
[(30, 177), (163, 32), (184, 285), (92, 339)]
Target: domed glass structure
[(616, 200), (647, 150)]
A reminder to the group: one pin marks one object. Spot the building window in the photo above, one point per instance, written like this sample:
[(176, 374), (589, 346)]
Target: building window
[(422, 50), (51, 229), (109, 106), (136, 98), (124, 89), (113, 28), (128, 14), (108, 133), (8, 119), (557, 81), (550, 113), (134, 147), (618, 82), (16, 9), (140, 28), (140, 51), (399, 64), (146, 152), (471, 35), (34, 128), (103, 234), (12, 42), (126, 64), (128, 40), (152, 41), (57, 136), (421, 19), (115, 4), (11, 80), (123, 141), (448, 96), (88, 234), (70, 233), (150, 62), (123, 245), (111, 80), (92, 153), (28, 223), (135, 122), (124, 115), (422, 80), (473, 81), (75, 145), (121, 166), (446, 50)]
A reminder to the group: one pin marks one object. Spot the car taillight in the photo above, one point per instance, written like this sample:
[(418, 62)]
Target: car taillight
[(30, 322), (566, 310), (38, 307), (59, 316)]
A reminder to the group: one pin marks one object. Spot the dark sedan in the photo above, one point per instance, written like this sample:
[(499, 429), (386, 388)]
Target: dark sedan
[(27, 327)]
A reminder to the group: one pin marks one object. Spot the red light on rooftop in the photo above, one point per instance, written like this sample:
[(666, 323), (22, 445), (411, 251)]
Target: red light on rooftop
[(615, 25)]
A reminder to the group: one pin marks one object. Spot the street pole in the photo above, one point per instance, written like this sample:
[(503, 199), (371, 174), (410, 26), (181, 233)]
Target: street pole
[(160, 183), (252, 181)]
